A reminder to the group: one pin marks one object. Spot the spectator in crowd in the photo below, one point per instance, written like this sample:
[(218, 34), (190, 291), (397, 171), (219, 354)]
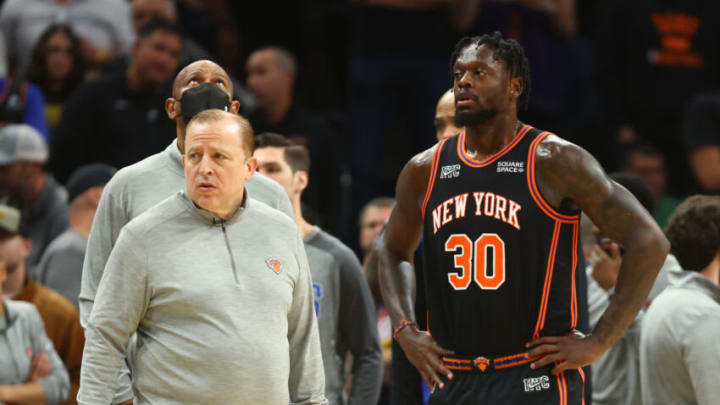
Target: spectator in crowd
[(343, 304), (134, 189), (60, 267), (61, 318), (144, 11), (445, 116), (30, 370), (616, 374), (397, 71), (243, 328), (104, 27), (373, 217), (652, 57), (57, 68), (118, 120), (702, 140), (25, 184), (271, 74), (22, 103), (646, 161), (679, 346)]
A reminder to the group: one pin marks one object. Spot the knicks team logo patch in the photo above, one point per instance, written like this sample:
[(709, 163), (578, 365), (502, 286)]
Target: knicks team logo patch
[(450, 171), (481, 363), (274, 264), (534, 384)]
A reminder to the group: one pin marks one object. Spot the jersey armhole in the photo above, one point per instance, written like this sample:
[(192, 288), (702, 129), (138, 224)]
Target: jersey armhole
[(535, 191), (433, 175)]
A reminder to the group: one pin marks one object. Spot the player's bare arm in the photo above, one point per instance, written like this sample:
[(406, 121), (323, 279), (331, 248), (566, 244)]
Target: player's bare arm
[(397, 275), (568, 176)]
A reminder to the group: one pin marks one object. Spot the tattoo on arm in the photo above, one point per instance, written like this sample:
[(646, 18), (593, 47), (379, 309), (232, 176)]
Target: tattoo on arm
[(570, 173)]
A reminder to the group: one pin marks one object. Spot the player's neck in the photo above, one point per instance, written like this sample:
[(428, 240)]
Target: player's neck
[(485, 139), (712, 271)]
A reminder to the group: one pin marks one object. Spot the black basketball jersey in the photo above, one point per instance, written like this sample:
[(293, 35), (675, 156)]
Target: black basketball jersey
[(500, 262)]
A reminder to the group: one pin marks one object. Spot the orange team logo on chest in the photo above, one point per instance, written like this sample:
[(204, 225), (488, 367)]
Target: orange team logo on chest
[(482, 363), (274, 264)]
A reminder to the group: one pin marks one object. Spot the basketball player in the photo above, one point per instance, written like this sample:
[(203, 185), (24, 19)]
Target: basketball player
[(498, 208)]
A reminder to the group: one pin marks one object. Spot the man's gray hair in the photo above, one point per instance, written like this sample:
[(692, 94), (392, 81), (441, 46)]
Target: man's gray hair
[(247, 135)]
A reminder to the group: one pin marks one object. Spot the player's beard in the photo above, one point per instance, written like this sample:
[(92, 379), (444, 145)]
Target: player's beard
[(472, 118)]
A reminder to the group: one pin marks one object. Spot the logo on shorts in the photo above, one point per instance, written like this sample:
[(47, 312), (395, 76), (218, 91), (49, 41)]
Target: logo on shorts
[(449, 171), (510, 167), (274, 265), (481, 363), (534, 384)]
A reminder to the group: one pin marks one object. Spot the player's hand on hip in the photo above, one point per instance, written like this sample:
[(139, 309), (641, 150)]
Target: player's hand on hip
[(425, 354), (567, 352)]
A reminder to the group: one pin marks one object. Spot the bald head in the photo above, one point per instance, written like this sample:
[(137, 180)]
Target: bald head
[(200, 72), (444, 116), (281, 57), (270, 77)]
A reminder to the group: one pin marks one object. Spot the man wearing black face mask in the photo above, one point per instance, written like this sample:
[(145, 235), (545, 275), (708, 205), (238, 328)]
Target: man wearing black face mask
[(200, 86)]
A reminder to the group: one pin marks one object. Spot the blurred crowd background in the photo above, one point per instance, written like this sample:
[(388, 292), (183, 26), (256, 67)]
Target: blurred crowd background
[(357, 82)]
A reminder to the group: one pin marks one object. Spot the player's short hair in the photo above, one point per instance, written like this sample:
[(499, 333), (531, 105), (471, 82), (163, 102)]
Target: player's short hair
[(506, 50), (158, 24), (296, 156), (637, 187), (694, 231), (380, 202), (247, 136)]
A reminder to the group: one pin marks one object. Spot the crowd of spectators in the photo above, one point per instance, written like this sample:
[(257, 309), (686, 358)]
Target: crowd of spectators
[(363, 85)]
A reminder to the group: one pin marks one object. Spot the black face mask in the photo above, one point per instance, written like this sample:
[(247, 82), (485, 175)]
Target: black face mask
[(201, 98)]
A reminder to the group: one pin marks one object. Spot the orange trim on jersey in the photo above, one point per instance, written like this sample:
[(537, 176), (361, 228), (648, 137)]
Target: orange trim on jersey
[(458, 367), (582, 377), (562, 387), (427, 321), (516, 360), (462, 153), (548, 281), (535, 192), (433, 173), (573, 298)]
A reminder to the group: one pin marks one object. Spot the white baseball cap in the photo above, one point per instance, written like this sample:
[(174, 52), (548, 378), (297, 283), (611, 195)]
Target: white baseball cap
[(21, 143)]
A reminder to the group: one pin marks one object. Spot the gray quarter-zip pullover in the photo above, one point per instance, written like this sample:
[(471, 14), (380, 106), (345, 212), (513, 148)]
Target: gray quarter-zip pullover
[(132, 191), (679, 345), (223, 311)]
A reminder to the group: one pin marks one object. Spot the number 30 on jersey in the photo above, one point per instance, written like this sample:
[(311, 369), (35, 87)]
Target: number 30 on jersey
[(471, 261)]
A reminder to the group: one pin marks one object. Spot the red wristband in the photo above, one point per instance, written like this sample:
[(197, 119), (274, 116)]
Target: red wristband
[(401, 327)]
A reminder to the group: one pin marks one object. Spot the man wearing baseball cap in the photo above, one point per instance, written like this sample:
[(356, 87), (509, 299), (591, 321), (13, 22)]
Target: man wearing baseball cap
[(25, 184), (60, 267)]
